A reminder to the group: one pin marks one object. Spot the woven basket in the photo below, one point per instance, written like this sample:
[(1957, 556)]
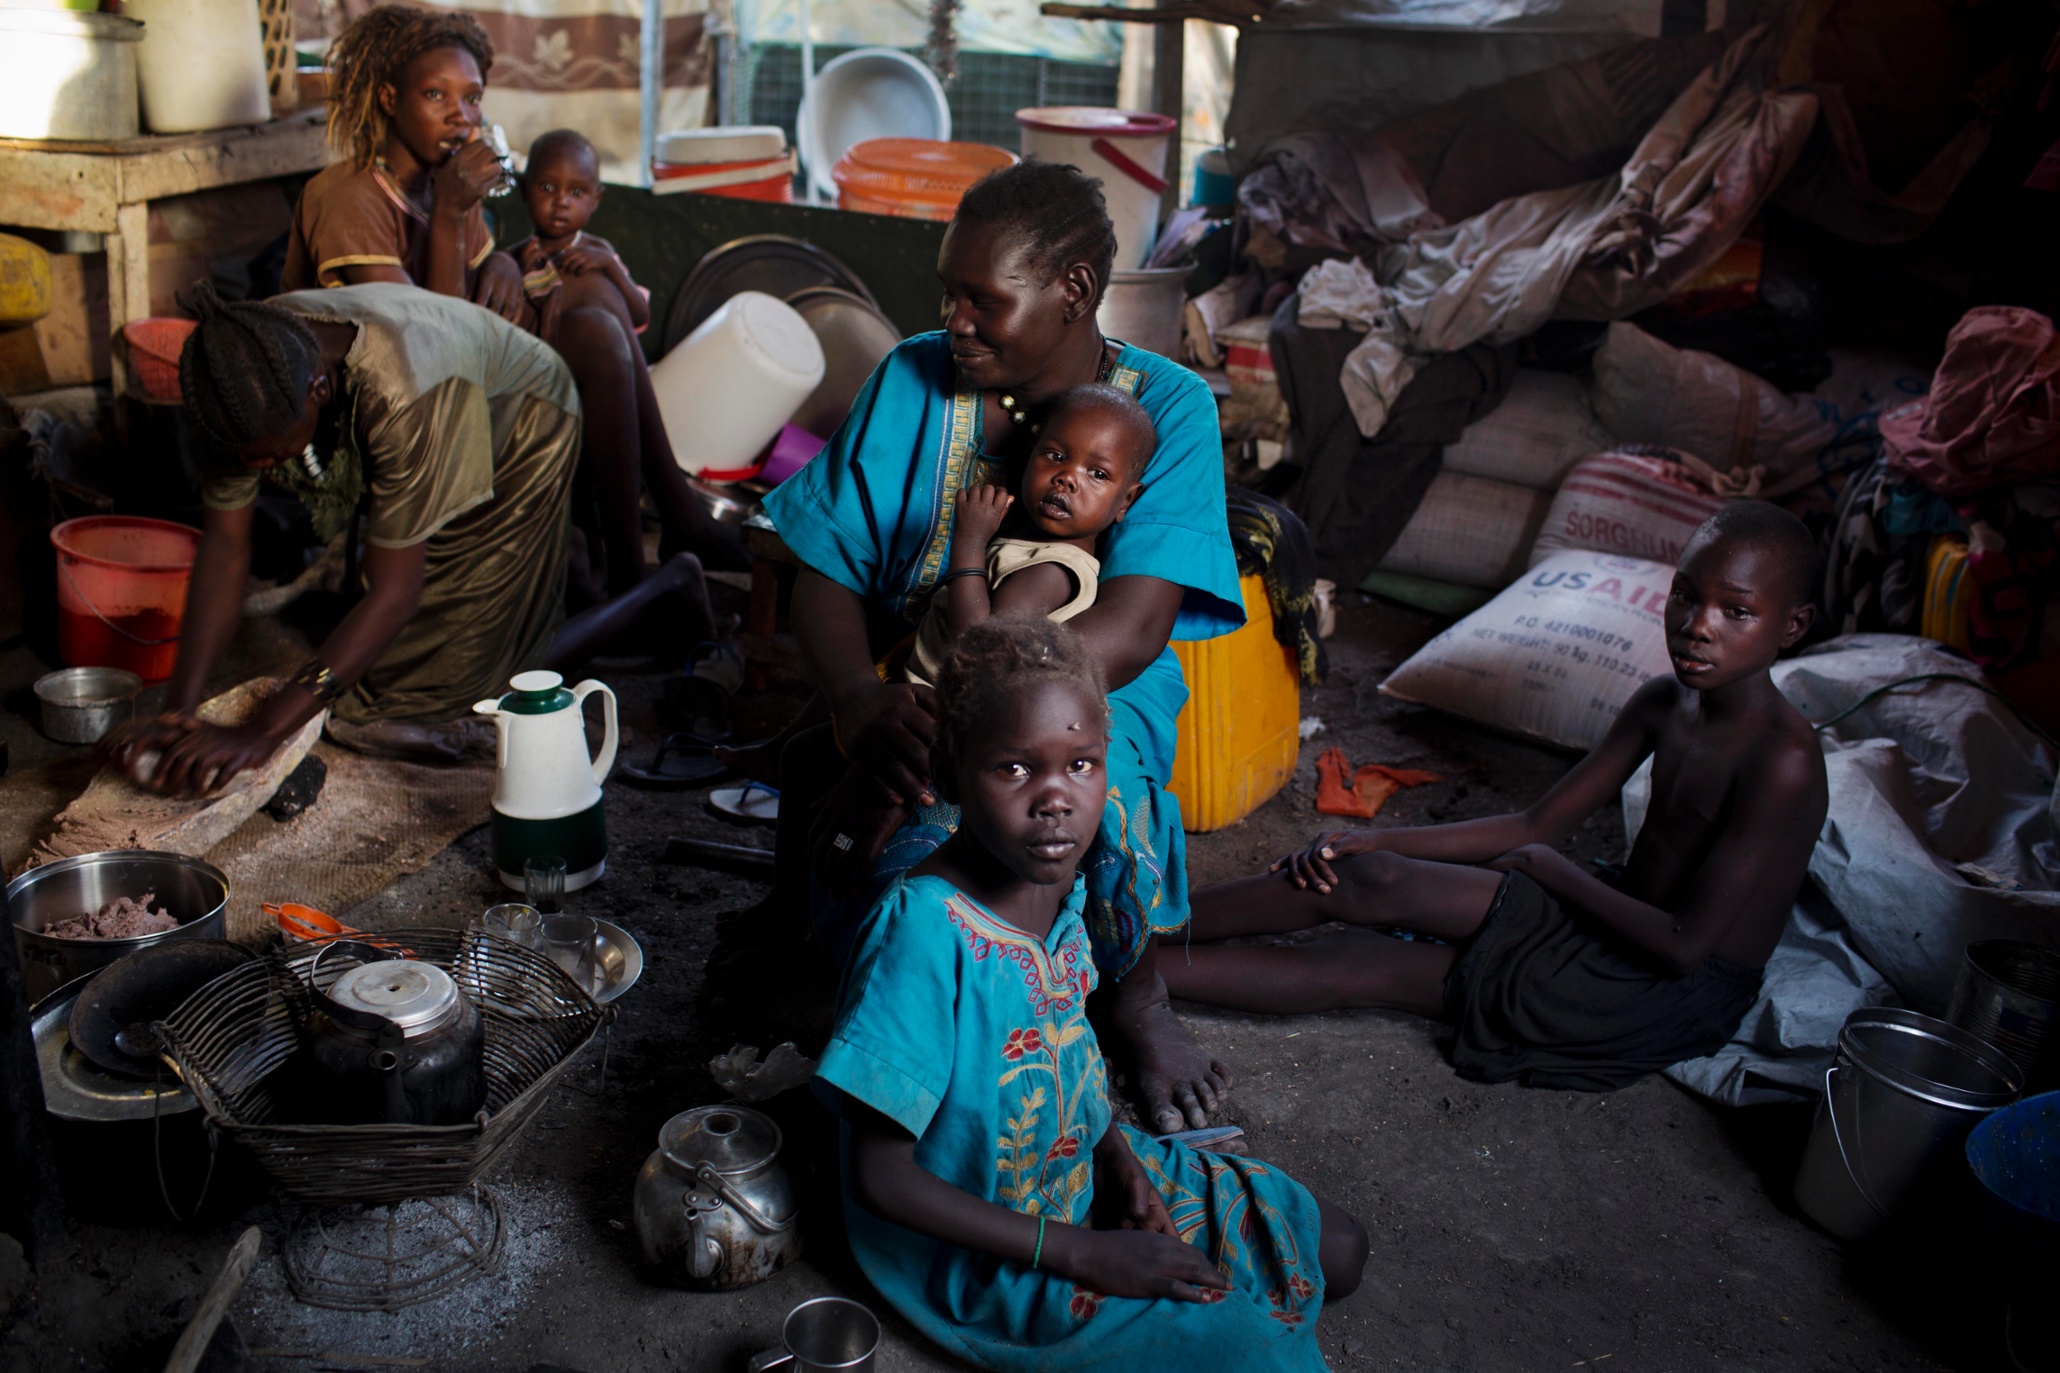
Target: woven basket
[(228, 1041)]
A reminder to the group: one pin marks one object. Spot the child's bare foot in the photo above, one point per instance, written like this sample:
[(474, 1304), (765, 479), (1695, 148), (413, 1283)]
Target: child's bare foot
[(1175, 1084)]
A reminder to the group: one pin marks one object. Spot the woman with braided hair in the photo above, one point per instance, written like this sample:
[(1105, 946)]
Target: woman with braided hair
[(1023, 266), (459, 433), (405, 203)]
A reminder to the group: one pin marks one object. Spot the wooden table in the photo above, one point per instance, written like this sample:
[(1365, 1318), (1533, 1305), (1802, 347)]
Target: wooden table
[(106, 188)]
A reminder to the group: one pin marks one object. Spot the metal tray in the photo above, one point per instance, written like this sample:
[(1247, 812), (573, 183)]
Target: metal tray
[(75, 1089), (621, 961), (772, 263)]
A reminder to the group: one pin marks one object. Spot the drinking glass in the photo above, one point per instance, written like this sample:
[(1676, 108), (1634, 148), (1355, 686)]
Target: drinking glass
[(497, 138), (543, 880), (516, 923), (572, 942)]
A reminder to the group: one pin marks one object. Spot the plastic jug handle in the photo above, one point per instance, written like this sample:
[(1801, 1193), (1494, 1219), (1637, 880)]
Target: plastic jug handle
[(492, 710), (610, 736)]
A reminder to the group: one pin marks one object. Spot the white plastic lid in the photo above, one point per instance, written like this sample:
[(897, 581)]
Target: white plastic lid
[(744, 143), (776, 330), (539, 680)]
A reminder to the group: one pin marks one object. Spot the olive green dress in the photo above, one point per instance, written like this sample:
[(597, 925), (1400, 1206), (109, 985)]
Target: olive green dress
[(466, 431)]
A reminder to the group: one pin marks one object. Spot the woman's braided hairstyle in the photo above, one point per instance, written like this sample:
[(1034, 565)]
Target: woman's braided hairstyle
[(997, 661), (1056, 211), (245, 370), (375, 50)]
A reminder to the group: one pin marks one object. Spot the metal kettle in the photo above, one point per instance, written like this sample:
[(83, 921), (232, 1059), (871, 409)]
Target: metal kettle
[(391, 1041), (714, 1208)]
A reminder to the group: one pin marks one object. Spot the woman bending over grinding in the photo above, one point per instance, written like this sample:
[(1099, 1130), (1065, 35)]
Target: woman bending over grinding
[(458, 431), (989, 1196)]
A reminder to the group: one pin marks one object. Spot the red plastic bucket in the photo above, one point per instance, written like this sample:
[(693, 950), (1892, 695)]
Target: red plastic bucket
[(121, 592)]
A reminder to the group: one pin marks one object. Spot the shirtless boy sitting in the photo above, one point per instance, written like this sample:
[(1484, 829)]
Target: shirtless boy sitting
[(1553, 975)]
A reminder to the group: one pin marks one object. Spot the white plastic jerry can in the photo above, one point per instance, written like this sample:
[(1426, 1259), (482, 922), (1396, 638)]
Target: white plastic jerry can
[(547, 791)]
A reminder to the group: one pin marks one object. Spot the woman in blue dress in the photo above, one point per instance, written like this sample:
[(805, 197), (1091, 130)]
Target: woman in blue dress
[(1023, 267), (988, 1195)]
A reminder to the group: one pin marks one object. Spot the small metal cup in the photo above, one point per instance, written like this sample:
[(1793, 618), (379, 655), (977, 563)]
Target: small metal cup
[(516, 923), (826, 1335), (543, 882)]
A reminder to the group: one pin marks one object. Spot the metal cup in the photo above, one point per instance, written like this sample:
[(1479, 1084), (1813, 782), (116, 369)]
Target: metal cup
[(826, 1335)]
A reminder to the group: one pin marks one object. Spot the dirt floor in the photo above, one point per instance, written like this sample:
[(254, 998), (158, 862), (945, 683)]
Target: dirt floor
[(1512, 1229)]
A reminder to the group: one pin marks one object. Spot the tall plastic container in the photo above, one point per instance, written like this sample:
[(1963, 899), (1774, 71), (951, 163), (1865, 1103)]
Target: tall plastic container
[(202, 64), (121, 592), (66, 75), (726, 389), (1239, 734), (1126, 149)]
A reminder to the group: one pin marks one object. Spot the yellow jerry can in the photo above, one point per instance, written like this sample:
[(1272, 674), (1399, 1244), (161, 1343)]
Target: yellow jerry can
[(24, 282), (1240, 732)]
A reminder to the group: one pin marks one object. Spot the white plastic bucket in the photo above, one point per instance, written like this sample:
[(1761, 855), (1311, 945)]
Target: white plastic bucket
[(727, 388), (866, 93), (202, 64), (1146, 308), (66, 75), (1126, 149)]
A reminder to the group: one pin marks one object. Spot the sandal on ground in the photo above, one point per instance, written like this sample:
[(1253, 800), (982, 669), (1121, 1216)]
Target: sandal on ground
[(699, 700), (753, 803), (682, 761)]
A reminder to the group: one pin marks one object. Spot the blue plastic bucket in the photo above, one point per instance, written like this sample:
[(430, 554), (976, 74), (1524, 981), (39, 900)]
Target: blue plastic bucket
[(2015, 1155)]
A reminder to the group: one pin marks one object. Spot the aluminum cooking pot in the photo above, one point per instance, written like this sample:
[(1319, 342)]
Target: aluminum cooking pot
[(194, 892)]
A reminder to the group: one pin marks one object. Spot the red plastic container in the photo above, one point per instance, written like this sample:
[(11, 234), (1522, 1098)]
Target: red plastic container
[(776, 186), (121, 592), (154, 347)]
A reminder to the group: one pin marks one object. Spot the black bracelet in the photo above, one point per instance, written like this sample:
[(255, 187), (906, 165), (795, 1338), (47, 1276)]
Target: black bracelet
[(319, 682), (965, 572)]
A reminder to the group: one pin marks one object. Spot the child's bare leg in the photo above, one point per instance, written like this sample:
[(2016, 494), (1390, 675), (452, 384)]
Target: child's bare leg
[(1340, 1251), (1350, 970), (596, 343), (676, 589), (1446, 900)]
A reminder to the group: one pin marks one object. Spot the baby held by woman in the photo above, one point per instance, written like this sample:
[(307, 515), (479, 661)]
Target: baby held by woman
[(1081, 478)]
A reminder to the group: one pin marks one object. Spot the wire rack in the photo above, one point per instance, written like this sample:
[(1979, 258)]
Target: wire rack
[(231, 1040), (387, 1258)]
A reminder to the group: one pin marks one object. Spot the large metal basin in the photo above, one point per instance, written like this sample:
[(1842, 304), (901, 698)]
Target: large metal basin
[(195, 892)]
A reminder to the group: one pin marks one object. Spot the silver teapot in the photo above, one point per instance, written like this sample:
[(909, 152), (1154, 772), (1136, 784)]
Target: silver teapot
[(714, 1208)]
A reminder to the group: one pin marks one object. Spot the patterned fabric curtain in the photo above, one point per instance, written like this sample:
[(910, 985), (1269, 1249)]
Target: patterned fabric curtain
[(574, 64)]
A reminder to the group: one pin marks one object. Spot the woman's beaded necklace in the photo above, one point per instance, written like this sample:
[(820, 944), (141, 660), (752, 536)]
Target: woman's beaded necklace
[(1020, 414)]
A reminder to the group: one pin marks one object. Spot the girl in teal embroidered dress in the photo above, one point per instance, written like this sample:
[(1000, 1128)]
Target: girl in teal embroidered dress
[(989, 1197)]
